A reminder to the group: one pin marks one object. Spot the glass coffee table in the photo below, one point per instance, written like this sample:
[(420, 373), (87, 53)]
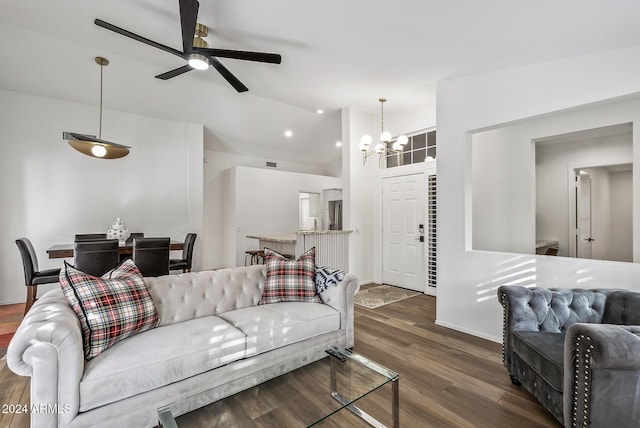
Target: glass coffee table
[(351, 377)]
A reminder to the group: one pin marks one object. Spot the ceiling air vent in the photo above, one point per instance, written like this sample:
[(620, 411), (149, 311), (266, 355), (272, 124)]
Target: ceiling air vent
[(271, 164)]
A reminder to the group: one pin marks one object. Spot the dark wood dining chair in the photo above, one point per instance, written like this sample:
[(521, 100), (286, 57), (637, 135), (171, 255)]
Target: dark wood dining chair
[(32, 275), (96, 257), (184, 263), (151, 255), (90, 237)]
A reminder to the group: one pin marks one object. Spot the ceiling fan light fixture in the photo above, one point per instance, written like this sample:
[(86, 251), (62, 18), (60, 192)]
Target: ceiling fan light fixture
[(193, 43), (198, 61)]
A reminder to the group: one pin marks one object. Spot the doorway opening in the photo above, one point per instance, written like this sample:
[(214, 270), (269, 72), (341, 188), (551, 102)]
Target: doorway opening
[(603, 215)]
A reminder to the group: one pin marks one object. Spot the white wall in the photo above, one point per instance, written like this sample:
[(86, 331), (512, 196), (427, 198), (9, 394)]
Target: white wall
[(520, 189), (468, 279), (266, 203), (503, 177), (362, 197), (621, 236), (358, 195), (50, 192), (218, 201), (554, 172)]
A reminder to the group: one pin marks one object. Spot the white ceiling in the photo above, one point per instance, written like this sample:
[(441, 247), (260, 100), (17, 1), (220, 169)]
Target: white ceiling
[(335, 54)]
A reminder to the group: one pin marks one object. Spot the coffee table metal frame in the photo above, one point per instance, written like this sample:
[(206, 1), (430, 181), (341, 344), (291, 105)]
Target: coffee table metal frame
[(167, 420), (393, 377)]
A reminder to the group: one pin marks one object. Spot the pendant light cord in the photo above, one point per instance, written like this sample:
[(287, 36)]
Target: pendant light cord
[(100, 126)]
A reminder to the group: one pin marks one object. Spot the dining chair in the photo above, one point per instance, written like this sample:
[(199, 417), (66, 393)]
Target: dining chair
[(32, 275), (128, 255), (96, 257), (187, 255), (151, 255), (90, 237), (133, 236)]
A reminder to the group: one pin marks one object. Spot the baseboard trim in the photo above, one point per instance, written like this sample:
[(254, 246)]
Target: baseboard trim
[(11, 302), (469, 331)]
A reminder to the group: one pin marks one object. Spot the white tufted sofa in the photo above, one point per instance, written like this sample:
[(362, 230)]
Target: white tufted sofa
[(212, 338)]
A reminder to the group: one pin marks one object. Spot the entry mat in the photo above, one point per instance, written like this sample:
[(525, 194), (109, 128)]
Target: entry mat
[(381, 295)]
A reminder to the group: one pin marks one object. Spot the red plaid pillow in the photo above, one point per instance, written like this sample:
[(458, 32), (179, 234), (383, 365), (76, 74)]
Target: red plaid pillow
[(110, 308), (288, 280)]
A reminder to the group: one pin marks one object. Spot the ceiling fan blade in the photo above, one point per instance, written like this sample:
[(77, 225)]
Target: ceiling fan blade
[(173, 73), (111, 27), (188, 18), (233, 80), (245, 55)]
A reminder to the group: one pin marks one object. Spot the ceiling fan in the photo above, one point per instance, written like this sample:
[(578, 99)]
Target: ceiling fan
[(195, 49)]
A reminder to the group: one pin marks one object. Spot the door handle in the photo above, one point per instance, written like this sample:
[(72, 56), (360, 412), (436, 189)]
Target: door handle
[(590, 239)]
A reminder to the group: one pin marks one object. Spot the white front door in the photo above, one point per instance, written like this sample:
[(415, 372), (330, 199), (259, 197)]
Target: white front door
[(403, 224), (583, 215)]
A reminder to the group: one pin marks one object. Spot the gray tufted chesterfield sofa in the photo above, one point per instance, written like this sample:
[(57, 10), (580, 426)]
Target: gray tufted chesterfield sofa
[(213, 340), (577, 351)]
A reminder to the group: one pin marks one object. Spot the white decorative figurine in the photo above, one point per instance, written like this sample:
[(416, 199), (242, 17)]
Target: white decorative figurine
[(118, 231)]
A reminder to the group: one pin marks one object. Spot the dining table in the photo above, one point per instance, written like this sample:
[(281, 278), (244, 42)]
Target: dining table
[(63, 251)]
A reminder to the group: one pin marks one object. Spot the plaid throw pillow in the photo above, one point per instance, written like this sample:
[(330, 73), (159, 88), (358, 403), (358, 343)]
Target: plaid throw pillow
[(110, 308), (289, 280)]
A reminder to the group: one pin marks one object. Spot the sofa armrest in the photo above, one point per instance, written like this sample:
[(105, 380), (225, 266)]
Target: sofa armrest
[(602, 375), (340, 297), (48, 347)]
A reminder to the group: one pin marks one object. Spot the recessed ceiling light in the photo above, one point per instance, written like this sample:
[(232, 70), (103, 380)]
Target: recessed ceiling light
[(338, 143), (288, 133), (320, 111)]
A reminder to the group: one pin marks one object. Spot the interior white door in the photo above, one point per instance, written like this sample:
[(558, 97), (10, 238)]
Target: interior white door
[(584, 239), (403, 214)]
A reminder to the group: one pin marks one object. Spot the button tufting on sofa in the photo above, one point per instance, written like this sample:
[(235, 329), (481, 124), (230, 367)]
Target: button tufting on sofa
[(600, 388), (212, 334)]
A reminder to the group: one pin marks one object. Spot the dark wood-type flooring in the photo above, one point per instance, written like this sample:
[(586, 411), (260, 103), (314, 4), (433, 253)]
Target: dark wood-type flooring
[(447, 379)]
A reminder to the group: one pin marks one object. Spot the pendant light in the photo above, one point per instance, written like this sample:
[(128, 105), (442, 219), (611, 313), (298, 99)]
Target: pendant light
[(89, 144)]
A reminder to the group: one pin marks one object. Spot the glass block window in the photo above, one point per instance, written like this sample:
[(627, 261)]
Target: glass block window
[(420, 147)]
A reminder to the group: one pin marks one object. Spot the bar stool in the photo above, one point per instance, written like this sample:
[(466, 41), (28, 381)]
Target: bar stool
[(256, 257)]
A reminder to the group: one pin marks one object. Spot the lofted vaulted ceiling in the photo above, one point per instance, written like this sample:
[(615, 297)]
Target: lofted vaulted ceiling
[(335, 54)]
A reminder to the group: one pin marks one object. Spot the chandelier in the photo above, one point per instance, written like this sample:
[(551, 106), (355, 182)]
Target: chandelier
[(382, 147)]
